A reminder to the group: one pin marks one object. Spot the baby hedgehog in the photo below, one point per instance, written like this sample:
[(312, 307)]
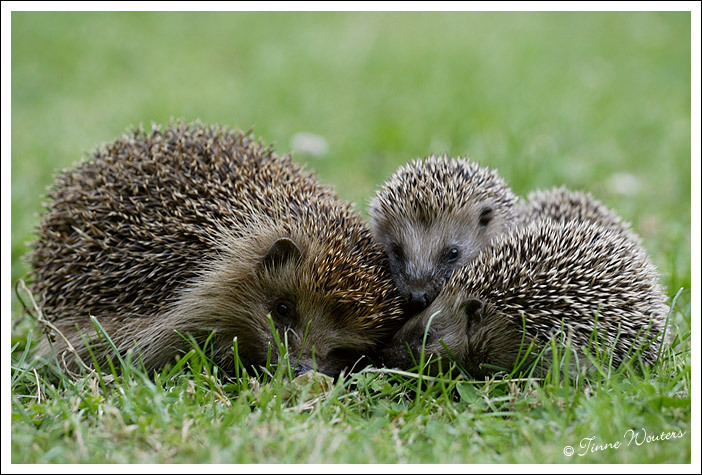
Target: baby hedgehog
[(561, 204), (434, 216), (197, 229), (543, 280)]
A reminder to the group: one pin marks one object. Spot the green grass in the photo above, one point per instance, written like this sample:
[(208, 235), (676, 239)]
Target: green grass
[(589, 100), (191, 413)]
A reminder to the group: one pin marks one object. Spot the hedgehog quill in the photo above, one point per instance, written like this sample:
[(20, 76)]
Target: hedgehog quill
[(562, 205), (546, 280), (198, 229), (434, 216)]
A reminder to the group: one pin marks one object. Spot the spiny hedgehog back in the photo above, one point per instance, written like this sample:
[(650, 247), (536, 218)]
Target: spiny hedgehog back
[(433, 216), (197, 229), (562, 205), (572, 276)]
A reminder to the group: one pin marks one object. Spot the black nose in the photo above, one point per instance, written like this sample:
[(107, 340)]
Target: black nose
[(301, 369), (419, 300)]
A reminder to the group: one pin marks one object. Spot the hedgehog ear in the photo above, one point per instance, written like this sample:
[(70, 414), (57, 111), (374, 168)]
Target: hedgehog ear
[(280, 252), (473, 310)]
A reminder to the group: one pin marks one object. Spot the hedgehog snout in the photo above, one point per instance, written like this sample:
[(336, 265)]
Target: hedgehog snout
[(396, 355), (301, 369), (406, 345), (420, 294), (418, 300)]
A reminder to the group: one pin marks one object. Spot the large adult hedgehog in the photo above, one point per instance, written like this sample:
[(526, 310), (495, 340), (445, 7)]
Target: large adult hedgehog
[(540, 281), (562, 205), (196, 229), (435, 215)]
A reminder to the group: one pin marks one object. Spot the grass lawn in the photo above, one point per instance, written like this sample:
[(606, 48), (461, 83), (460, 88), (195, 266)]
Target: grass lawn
[(594, 101)]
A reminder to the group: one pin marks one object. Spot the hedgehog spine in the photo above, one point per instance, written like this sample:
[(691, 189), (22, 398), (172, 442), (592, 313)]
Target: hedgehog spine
[(578, 274), (198, 229), (433, 216)]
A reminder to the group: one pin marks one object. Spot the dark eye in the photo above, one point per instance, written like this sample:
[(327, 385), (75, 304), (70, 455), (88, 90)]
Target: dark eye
[(486, 216), (283, 311), (431, 334), (396, 251), (452, 254)]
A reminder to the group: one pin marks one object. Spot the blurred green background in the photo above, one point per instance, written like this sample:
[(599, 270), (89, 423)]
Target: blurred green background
[(596, 101)]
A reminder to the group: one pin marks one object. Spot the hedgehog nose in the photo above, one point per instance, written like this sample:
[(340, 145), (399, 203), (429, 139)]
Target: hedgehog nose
[(301, 369), (419, 300)]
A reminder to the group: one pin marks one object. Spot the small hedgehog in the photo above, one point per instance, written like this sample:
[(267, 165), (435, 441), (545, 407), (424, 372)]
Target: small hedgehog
[(541, 281), (561, 204), (199, 229), (434, 216)]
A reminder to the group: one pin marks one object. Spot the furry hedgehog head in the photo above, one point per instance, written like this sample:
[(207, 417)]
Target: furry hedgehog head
[(434, 215)]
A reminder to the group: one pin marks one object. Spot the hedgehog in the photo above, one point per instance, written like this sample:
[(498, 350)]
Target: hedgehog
[(561, 204), (433, 216), (198, 229), (546, 281)]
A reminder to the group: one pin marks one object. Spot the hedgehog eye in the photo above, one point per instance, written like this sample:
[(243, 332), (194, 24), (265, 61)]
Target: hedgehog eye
[(283, 311), (486, 216), (396, 251), (452, 254)]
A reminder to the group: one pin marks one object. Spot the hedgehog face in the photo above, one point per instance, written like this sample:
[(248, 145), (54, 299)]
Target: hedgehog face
[(236, 296), (437, 324), (458, 328), (434, 215), (330, 321), (423, 253), (315, 340)]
